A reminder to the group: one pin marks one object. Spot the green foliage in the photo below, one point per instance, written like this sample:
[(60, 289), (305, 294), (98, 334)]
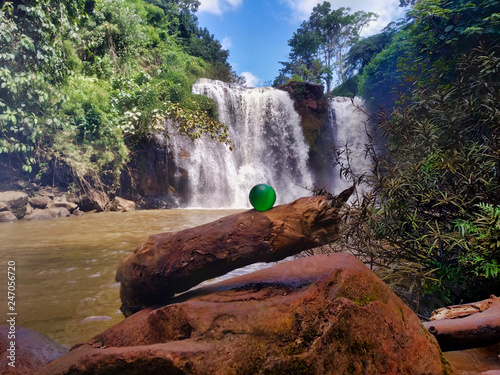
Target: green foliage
[(28, 98), (382, 80), (82, 83), (425, 51), (481, 234), (430, 224), (348, 88), (364, 50), (319, 46)]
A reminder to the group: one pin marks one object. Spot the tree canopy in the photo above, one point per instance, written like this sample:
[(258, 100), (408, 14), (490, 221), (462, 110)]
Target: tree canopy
[(430, 224), (84, 82), (320, 45)]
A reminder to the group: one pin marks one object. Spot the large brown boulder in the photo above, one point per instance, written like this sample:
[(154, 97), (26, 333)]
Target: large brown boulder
[(317, 315), (31, 350)]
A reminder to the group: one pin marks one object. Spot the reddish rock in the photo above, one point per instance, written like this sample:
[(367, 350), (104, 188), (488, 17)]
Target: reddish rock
[(318, 315), (32, 351)]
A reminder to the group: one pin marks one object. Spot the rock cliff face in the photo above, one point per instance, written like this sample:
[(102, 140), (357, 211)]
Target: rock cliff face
[(316, 315), (315, 113), (312, 108)]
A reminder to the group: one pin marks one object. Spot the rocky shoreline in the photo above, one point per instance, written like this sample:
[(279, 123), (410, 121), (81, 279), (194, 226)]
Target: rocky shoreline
[(40, 203)]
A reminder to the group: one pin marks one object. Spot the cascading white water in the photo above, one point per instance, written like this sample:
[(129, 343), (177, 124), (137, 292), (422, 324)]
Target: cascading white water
[(348, 123), (269, 147)]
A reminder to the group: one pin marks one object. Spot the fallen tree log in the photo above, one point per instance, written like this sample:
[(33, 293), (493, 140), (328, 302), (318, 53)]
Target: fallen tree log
[(461, 311), (480, 326), (170, 263)]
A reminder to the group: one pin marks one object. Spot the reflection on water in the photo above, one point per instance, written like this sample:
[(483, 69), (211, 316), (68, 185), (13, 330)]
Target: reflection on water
[(65, 268)]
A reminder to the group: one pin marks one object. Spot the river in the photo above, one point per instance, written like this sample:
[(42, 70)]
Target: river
[(65, 267)]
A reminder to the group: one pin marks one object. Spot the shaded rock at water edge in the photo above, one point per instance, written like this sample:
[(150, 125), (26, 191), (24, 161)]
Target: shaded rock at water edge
[(32, 351), (40, 201), (62, 202), (122, 205), (48, 213), (317, 315), (15, 201), (7, 217)]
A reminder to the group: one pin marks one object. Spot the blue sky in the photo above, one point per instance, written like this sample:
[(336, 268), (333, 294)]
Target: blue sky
[(256, 32)]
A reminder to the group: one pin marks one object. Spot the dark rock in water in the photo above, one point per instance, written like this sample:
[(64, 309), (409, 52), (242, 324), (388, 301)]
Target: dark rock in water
[(16, 201), (153, 179), (32, 351), (318, 315)]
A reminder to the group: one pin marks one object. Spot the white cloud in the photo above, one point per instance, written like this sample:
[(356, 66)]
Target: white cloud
[(226, 43), (387, 10), (218, 7), (251, 80)]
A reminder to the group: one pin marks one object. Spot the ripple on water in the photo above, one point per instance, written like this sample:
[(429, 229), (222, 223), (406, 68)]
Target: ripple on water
[(96, 318)]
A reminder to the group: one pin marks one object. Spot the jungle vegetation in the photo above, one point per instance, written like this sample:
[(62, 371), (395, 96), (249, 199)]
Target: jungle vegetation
[(83, 82), (429, 219)]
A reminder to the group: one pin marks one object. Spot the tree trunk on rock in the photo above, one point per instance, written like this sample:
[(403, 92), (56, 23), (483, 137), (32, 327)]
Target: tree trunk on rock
[(466, 326), (170, 263)]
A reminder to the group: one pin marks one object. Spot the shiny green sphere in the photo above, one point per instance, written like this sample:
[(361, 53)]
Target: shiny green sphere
[(262, 197)]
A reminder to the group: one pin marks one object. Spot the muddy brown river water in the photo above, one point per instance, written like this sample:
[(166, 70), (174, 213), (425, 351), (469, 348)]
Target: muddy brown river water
[(65, 268)]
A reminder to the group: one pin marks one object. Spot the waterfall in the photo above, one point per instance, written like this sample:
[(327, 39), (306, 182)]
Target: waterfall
[(269, 147), (348, 124)]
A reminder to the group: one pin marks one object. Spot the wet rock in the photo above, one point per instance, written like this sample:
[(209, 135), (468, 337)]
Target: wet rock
[(15, 201), (40, 201), (63, 202), (48, 213), (61, 211), (33, 351), (317, 315), (122, 205), (38, 214), (7, 217), (94, 200)]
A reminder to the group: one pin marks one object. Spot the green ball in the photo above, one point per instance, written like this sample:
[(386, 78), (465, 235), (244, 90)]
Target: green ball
[(262, 197)]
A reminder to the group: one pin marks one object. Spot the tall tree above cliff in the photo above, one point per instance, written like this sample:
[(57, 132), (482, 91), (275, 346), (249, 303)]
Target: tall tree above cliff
[(325, 38)]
